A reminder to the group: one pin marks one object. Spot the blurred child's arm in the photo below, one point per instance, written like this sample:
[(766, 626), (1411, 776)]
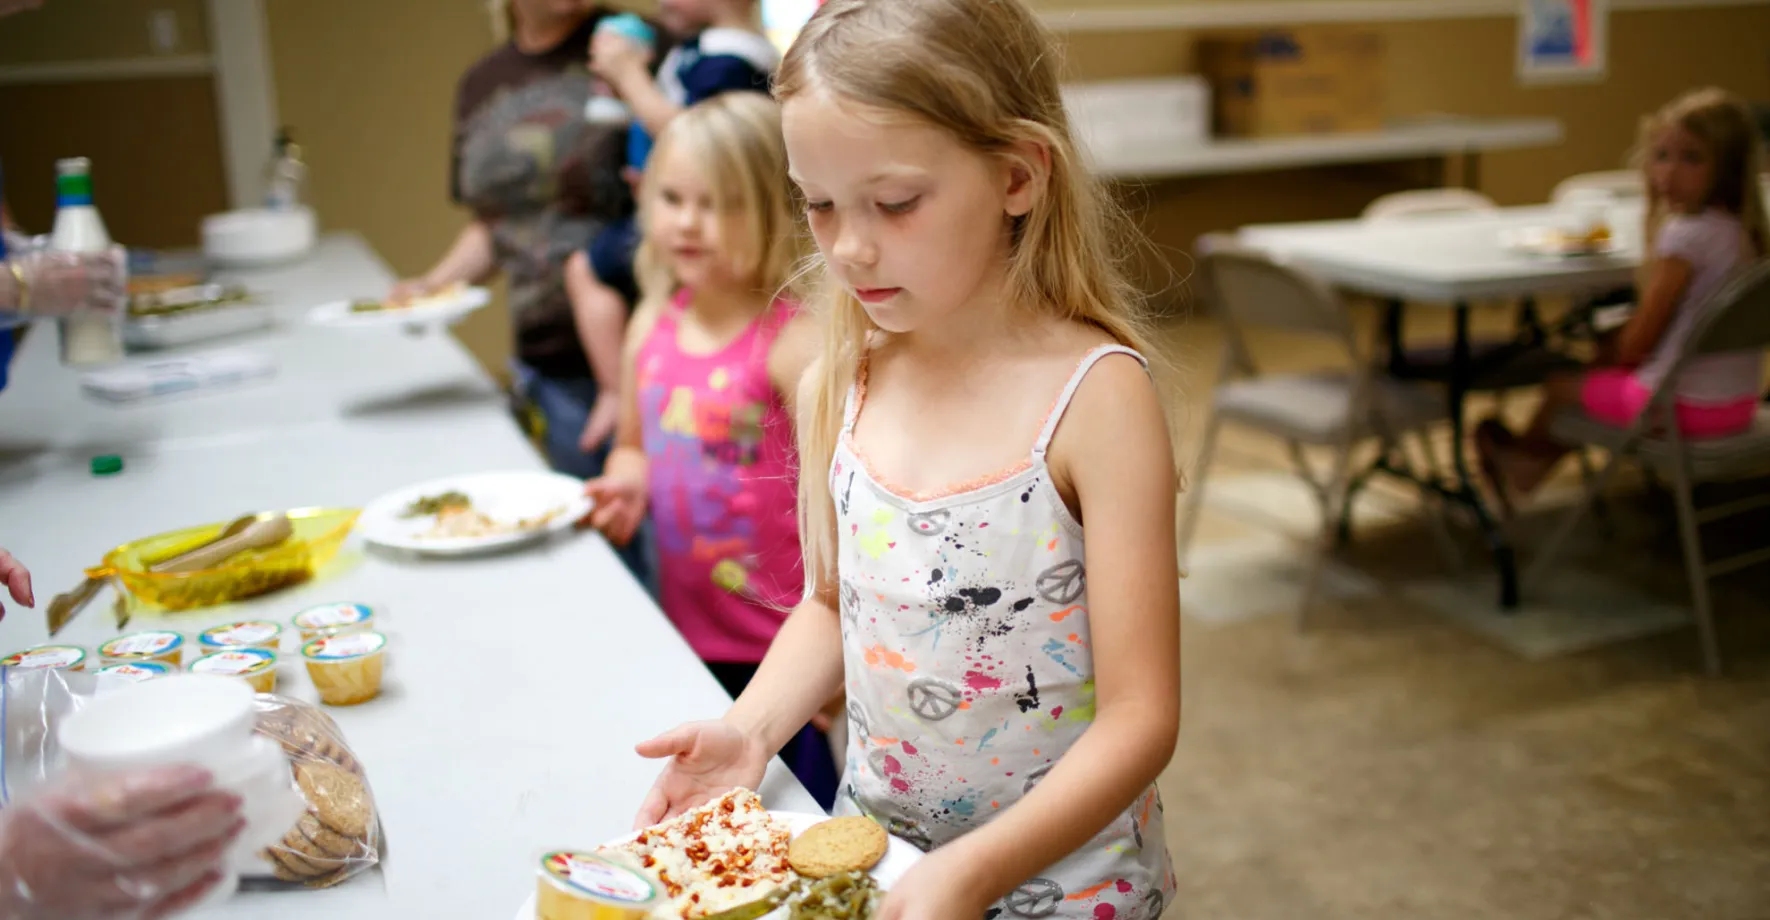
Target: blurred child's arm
[(802, 671), (1113, 449), (470, 259), (628, 76), (794, 350), (620, 490), (601, 319), (1659, 303)]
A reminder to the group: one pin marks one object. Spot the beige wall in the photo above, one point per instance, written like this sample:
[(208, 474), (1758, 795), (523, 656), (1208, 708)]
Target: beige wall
[(367, 88), (1463, 66), (93, 30), (155, 149), (368, 85)]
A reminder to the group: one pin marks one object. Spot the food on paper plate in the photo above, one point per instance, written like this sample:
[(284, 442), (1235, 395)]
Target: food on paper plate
[(441, 295), (839, 846), (1570, 241), (434, 504), (725, 854), (455, 522), (187, 299), (848, 896)]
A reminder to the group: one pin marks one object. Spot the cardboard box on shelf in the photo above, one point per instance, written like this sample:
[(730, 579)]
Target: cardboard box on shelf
[(1315, 80)]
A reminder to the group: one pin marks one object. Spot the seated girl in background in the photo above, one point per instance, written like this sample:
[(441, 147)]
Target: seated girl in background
[(1705, 218), (713, 356)]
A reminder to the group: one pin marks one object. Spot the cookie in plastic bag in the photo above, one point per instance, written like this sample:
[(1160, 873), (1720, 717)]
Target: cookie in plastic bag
[(340, 836)]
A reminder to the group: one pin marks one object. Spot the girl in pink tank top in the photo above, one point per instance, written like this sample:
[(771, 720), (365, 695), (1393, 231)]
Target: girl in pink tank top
[(705, 441), (721, 483)]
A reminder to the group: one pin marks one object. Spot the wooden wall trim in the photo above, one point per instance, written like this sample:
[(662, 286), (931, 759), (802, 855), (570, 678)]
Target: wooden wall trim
[(140, 68)]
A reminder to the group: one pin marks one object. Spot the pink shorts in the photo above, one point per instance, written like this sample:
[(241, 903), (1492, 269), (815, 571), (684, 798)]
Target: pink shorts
[(1613, 396)]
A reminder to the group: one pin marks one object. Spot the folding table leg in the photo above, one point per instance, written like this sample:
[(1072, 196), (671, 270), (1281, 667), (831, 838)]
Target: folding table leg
[(1498, 543), (1695, 568)]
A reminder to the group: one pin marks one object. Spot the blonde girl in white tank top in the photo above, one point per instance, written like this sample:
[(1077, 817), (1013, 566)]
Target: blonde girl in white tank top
[(982, 397)]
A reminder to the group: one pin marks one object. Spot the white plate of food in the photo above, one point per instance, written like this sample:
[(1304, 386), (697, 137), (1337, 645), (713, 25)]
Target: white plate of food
[(1555, 243), (444, 307), (463, 515), (855, 863)]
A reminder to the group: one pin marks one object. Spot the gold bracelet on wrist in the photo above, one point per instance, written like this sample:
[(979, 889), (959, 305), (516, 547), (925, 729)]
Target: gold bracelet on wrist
[(24, 287)]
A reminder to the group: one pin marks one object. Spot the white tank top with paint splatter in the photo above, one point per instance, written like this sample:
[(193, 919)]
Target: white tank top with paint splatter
[(969, 671)]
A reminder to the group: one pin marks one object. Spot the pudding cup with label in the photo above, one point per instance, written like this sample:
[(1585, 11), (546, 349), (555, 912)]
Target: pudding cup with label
[(255, 666), (47, 658), (583, 886), (333, 620), (245, 634), (131, 672), (164, 647), (346, 669)]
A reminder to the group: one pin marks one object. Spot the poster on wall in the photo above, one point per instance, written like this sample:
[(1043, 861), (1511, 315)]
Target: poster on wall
[(1562, 40)]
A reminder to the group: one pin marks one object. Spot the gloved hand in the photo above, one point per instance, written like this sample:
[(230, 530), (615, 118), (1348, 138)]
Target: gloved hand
[(136, 846), (41, 283)]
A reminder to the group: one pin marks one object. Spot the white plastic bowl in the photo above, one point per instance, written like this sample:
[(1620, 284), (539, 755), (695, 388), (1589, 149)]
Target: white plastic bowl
[(258, 236), (179, 719)]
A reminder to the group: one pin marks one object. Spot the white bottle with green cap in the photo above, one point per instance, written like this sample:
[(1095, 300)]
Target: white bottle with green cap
[(79, 228)]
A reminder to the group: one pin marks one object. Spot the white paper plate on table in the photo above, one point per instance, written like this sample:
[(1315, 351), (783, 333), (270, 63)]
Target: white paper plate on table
[(1552, 243), (430, 311), (502, 496), (899, 857)]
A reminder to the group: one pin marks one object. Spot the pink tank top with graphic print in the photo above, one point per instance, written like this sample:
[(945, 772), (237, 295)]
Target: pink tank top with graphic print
[(723, 486)]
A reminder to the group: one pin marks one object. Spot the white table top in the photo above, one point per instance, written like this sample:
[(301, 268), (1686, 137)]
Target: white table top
[(517, 684), (324, 377), (1431, 138), (1448, 258)]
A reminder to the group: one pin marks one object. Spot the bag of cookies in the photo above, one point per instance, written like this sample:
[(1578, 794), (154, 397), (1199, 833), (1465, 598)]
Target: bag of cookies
[(340, 836)]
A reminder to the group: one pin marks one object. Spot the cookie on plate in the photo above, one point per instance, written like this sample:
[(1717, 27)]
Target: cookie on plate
[(836, 846)]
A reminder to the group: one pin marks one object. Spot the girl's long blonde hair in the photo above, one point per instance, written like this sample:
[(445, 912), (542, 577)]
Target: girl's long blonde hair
[(986, 72), (1722, 123), (735, 140)]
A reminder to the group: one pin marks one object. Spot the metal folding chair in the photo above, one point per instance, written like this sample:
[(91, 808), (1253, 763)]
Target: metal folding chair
[(1336, 409), (1397, 206), (1739, 320), (1619, 183)]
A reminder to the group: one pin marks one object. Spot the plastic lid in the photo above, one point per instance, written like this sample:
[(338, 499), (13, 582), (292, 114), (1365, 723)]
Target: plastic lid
[(342, 648), (331, 616), (141, 645), (106, 464), (238, 662), (45, 656), (136, 671), (245, 632), (592, 876)]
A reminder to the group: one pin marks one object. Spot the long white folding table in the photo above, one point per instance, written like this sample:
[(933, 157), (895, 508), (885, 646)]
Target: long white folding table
[(517, 684)]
